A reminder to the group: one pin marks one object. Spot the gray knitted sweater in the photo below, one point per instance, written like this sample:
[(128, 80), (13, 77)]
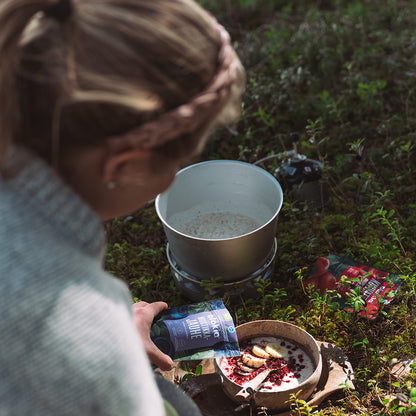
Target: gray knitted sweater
[(68, 345)]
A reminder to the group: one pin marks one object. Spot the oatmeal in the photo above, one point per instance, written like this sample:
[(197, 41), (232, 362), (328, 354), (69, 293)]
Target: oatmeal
[(291, 363), (218, 225)]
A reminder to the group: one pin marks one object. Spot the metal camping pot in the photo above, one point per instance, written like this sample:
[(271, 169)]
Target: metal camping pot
[(238, 197)]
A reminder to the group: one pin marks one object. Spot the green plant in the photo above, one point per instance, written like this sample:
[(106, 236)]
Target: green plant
[(300, 407), (369, 93), (270, 298), (211, 286), (190, 372), (387, 219)]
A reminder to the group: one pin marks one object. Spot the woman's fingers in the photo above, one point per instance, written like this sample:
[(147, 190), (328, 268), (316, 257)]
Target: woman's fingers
[(157, 357), (144, 314)]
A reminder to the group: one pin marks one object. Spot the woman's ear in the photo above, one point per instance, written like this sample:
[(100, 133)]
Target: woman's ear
[(115, 163)]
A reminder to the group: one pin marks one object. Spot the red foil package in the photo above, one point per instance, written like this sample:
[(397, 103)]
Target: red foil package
[(362, 288)]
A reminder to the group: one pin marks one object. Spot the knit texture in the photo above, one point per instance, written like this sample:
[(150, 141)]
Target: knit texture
[(68, 342)]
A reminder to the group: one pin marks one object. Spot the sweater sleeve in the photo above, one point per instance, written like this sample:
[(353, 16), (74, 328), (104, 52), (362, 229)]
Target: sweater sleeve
[(87, 358)]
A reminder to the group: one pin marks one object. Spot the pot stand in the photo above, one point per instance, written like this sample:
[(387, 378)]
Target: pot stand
[(197, 289), (207, 392)]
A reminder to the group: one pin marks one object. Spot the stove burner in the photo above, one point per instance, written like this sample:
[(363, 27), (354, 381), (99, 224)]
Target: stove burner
[(197, 289)]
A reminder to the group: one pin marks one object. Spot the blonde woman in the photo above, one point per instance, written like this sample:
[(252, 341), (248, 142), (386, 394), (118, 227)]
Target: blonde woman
[(101, 102)]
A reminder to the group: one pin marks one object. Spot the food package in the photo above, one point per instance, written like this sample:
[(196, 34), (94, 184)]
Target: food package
[(361, 288), (196, 332)]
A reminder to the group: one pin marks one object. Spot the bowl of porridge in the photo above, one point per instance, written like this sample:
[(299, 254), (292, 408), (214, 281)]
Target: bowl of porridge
[(285, 357), (220, 218)]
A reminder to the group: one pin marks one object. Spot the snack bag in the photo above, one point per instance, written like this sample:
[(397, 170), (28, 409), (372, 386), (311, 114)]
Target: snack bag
[(195, 332), (346, 276)]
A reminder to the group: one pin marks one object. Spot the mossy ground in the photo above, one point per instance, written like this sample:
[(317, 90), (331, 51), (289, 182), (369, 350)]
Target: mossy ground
[(337, 81)]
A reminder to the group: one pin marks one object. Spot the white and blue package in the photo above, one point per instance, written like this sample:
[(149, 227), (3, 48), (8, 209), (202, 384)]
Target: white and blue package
[(195, 332)]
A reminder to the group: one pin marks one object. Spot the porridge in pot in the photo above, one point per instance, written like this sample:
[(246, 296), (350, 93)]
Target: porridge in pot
[(291, 363), (215, 225)]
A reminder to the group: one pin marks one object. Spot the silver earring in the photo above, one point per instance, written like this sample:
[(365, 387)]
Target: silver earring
[(111, 185)]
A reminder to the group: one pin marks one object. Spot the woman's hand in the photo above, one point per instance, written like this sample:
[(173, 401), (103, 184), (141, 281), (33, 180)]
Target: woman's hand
[(144, 313)]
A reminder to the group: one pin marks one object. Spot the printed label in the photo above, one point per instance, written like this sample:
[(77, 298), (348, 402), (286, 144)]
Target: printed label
[(196, 331)]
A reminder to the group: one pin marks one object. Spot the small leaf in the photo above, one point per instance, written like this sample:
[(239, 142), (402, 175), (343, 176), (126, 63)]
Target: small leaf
[(198, 370)]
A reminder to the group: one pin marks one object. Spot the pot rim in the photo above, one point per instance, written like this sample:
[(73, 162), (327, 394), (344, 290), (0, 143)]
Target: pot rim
[(192, 238)]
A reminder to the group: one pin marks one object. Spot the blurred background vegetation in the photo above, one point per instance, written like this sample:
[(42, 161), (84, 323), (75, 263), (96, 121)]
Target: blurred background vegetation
[(336, 81)]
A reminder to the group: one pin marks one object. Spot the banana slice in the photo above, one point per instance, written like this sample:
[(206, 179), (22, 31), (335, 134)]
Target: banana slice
[(276, 350), (252, 361), (260, 352), (245, 368)]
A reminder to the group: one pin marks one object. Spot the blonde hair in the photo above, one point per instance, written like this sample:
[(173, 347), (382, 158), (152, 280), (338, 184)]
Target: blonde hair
[(111, 66)]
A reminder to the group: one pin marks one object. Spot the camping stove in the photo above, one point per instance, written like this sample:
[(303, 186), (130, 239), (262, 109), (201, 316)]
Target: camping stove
[(196, 289)]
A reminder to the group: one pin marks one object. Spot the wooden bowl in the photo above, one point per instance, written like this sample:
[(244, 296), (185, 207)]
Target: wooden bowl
[(276, 400)]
